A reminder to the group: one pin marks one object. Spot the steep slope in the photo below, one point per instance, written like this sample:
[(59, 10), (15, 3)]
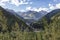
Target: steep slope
[(11, 22), (51, 14), (47, 20)]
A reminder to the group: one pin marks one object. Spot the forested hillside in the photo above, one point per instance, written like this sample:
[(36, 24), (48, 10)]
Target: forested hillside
[(13, 28), (49, 25), (10, 21)]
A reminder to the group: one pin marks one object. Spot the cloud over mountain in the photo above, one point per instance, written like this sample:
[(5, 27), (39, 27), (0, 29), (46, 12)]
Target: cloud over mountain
[(37, 9), (34, 5), (56, 6)]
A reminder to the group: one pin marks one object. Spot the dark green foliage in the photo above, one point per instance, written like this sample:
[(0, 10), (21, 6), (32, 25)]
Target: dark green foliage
[(0, 27), (8, 20), (13, 28)]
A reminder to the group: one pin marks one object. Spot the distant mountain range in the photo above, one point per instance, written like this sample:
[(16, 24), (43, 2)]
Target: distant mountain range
[(31, 16)]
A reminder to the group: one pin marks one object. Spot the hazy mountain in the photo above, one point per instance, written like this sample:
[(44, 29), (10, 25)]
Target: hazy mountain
[(32, 16)]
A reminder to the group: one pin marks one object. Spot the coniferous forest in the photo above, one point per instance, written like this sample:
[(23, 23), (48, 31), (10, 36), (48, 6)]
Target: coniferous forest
[(12, 27)]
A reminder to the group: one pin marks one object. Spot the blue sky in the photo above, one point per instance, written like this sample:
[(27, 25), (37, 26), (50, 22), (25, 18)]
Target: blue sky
[(34, 5)]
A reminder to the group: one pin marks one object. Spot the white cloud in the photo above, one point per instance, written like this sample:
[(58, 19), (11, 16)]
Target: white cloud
[(58, 5), (50, 4), (22, 10), (36, 9), (23, 2), (20, 2), (51, 7), (4, 1), (31, 8), (28, 8), (2, 4), (16, 2), (45, 9)]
